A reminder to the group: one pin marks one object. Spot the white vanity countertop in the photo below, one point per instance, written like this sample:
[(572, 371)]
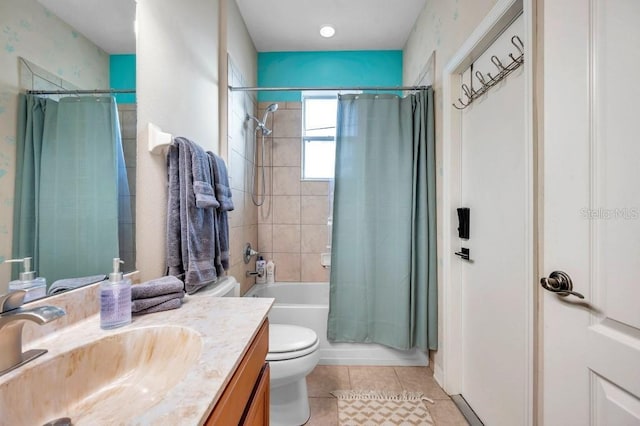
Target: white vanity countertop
[(227, 327)]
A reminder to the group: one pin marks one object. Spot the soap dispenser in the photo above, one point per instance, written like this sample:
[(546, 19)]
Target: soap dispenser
[(35, 287), (115, 299)]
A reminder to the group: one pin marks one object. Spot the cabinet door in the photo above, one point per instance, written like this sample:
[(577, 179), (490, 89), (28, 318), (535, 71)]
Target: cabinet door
[(257, 413), (238, 394)]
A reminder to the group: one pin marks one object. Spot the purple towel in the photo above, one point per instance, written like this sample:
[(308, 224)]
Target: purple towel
[(191, 230), (168, 305), (158, 287), (223, 195), (138, 305)]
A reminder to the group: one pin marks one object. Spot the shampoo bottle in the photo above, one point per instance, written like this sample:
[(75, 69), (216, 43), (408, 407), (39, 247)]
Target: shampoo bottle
[(271, 269), (261, 265), (115, 299), (35, 287)]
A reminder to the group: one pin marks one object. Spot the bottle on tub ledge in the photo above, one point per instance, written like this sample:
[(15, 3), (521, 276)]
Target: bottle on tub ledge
[(261, 266), (271, 269)]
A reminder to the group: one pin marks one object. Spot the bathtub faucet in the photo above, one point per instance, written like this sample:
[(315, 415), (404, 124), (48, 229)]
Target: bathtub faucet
[(253, 274)]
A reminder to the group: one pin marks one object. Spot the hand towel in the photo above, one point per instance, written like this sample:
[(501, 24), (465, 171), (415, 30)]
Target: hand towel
[(70, 283), (221, 182), (138, 305), (157, 287), (223, 194), (168, 305), (202, 177)]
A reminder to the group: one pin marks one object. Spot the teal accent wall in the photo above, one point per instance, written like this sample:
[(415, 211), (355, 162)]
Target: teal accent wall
[(326, 69), (122, 75)]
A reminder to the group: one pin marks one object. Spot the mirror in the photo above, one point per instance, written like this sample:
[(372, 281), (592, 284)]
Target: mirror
[(65, 45)]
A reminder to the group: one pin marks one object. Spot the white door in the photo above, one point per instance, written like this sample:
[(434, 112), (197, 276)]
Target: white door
[(494, 283), (591, 221)]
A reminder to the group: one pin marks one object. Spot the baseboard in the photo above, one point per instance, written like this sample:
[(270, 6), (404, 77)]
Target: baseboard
[(466, 410), (438, 374)]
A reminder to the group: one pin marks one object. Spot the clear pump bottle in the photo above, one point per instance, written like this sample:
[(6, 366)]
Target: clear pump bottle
[(115, 299), (35, 287)]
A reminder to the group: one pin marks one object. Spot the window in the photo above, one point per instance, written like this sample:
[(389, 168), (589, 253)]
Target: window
[(319, 136)]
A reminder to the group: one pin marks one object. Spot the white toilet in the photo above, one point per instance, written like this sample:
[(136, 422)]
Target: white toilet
[(293, 354)]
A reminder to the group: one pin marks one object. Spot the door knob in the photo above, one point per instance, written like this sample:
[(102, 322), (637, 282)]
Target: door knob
[(560, 283)]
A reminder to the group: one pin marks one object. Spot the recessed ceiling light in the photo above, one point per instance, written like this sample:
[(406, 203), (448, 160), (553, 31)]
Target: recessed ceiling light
[(327, 31)]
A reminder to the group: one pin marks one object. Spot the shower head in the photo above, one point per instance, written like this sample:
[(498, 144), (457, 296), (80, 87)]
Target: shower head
[(270, 108), (262, 125)]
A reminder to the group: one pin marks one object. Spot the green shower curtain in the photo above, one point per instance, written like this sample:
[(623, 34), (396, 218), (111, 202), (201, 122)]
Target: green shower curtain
[(383, 260), (66, 206), (36, 122)]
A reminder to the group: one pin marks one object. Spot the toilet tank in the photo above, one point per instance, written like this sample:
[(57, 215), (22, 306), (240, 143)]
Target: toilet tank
[(222, 287)]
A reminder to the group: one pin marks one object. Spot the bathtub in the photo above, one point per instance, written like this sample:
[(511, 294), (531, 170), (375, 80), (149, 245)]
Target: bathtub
[(307, 305)]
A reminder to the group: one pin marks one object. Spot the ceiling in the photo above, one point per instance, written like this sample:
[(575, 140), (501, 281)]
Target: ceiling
[(274, 25), (107, 23), (294, 25)]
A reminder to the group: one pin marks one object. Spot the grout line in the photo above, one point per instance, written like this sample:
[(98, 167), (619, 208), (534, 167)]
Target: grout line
[(398, 377)]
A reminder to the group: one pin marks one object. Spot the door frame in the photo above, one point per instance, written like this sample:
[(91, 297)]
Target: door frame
[(498, 19)]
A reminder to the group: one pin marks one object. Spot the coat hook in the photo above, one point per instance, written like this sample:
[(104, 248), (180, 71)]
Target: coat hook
[(515, 40), (488, 80), (461, 103), (468, 92), (481, 79), (497, 63)]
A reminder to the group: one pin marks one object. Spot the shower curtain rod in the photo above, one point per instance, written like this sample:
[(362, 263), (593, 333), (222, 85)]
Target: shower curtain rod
[(333, 89), (79, 92)]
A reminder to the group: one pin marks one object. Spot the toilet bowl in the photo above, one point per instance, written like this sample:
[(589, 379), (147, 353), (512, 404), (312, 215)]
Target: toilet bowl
[(293, 354)]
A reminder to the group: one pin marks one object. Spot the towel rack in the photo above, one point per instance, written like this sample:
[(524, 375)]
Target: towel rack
[(489, 81), (159, 141)]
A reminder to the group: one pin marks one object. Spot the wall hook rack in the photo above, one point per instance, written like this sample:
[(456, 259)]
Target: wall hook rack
[(488, 81)]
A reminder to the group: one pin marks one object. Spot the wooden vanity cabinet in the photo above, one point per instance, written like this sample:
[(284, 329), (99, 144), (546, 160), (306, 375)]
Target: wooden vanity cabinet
[(245, 400)]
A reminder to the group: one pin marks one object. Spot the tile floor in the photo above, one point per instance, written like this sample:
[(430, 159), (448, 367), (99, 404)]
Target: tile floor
[(326, 378)]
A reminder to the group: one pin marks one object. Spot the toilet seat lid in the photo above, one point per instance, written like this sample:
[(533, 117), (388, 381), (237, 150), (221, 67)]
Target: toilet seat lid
[(290, 338)]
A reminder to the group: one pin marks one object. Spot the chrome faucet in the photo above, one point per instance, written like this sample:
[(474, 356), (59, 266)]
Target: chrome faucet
[(12, 320)]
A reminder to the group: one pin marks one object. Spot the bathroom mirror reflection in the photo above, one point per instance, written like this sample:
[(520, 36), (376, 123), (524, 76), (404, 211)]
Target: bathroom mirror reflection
[(67, 160)]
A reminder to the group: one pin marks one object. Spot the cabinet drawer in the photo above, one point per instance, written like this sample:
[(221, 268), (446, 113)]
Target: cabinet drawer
[(237, 395)]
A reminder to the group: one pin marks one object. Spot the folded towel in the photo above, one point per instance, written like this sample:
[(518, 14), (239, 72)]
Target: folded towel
[(221, 182), (205, 198), (70, 283), (169, 304), (138, 305), (157, 287)]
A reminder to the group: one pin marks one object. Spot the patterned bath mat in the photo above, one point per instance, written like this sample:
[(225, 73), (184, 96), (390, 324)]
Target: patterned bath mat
[(381, 408)]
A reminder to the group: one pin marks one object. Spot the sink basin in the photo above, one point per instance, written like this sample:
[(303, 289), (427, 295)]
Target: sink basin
[(110, 380)]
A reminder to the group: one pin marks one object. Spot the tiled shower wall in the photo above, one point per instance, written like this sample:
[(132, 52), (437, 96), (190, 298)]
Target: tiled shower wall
[(292, 222), (243, 220), (128, 124)]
